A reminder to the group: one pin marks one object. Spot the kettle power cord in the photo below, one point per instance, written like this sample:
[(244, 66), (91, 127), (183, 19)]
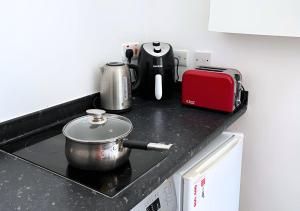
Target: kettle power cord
[(129, 55)]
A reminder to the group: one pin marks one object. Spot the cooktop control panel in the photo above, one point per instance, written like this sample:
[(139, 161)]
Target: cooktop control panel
[(162, 198)]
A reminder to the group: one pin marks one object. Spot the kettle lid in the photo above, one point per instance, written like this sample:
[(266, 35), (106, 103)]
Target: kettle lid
[(115, 64)]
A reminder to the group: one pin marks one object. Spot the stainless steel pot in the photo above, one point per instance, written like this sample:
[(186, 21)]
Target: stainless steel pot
[(99, 141)]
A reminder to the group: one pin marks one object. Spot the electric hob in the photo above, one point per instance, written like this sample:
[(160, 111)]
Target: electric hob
[(46, 150)]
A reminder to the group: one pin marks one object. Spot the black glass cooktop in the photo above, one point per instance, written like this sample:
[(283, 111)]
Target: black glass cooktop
[(49, 153)]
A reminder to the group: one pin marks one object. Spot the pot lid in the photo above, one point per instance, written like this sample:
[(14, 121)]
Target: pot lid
[(98, 127)]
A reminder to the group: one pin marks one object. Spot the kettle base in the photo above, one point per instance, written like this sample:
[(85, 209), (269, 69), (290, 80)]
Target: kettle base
[(117, 111)]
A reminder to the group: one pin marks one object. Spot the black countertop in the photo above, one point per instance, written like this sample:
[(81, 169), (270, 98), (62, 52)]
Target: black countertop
[(24, 186)]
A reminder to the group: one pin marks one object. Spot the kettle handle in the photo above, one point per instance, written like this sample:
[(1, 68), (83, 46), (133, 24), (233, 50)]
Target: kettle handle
[(137, 83)]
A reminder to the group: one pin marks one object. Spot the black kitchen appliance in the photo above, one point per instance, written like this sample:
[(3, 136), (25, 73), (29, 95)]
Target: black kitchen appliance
[(156, 71)]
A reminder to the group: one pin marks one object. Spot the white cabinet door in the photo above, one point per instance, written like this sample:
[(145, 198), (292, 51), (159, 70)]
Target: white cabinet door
[(263, 17), (214, 183)]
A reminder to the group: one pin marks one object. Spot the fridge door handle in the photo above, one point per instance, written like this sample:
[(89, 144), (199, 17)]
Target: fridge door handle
[(205, 183), (217, 155)]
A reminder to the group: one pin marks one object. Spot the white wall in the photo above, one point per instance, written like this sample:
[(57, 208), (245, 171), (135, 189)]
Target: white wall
[(50, 50), (271, 70)]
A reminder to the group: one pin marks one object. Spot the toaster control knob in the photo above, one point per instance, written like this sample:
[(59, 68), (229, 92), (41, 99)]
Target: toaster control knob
[(156, 43), (157, 49)]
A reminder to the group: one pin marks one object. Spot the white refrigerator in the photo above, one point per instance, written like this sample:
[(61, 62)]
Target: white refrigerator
[(211, 180)]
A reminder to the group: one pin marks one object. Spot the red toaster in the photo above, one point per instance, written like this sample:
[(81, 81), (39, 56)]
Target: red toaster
[(212, 87)]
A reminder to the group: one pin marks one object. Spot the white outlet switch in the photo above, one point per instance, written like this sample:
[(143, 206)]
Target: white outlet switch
[(182, 55), (201, 58)]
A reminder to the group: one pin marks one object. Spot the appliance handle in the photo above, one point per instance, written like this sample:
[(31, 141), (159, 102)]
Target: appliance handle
[(218, 154), (158, 86)]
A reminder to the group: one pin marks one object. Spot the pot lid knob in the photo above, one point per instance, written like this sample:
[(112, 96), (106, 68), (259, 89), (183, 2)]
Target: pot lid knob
[(98, 116)]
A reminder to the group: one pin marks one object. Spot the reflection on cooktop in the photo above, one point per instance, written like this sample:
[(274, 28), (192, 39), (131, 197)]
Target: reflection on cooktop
[(109, 182), (50, 154)]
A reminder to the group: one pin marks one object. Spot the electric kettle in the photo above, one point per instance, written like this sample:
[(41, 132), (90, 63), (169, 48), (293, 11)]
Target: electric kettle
[(115, 87)]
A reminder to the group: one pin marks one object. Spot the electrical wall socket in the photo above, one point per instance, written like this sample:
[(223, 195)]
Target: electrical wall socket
[(201, 58), (135, 46), (182, 55)]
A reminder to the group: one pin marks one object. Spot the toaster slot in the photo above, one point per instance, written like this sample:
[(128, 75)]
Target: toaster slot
[(213, 69)]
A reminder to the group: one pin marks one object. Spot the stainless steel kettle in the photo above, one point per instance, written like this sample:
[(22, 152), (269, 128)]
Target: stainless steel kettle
[(115, 87)]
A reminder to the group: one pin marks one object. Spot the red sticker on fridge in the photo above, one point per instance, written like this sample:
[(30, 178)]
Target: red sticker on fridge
[(195, 195), (203, 182)]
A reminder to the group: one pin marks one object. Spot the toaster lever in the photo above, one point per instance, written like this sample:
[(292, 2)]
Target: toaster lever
[(238, 90)]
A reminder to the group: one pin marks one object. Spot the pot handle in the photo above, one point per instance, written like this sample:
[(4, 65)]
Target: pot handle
[(146, 145)]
